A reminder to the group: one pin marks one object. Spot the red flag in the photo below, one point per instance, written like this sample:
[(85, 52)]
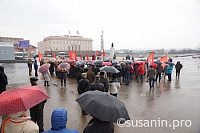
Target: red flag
[(163, 59), (103, 53), (75, 58), (87, 57), (81, 57), (71, 55), (40, 56), (97, 53), (151, 58), (54, 56)]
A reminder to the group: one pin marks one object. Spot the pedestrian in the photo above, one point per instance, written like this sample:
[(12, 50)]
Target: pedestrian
[(79, 75), (51, 68), (36, 112), (3, 80), (97, 69), (46, 77), (151, 74), (127, 73), (19, 122), (90, 75), (136, 70), (97, 85), (114, 85), (97, 126), (159, 70), (169, 72), (42, 62), (83, 84), (29, 63), (36, 68), (62, 75), (59, 121), (141, 70), (104, 81), (178, 67)]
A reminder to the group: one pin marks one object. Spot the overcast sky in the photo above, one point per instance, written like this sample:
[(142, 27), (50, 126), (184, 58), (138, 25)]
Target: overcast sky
[(129, 24)]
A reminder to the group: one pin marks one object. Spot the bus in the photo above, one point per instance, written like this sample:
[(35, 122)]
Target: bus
[(21, 54), (62, 55)]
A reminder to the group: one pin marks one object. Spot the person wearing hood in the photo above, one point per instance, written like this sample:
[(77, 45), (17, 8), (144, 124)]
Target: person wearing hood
[(58, 122), (3, 80), (19, 122)]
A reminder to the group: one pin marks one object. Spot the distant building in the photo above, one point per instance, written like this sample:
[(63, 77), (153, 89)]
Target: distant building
[(6, 51), (31, 50), (55, 44)]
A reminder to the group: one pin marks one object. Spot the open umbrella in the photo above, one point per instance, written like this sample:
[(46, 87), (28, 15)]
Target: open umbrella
[(103, 106), (63, 67), (157, 62), (21, 99), (106, 63), (98, 62), (109, 69), (80, 63), (44, 67), (169, 63)]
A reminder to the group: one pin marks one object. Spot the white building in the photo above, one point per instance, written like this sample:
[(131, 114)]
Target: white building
[(55, 44)]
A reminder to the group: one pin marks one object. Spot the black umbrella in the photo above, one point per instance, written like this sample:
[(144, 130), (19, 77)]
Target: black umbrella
[(98, 62), (109, 69), (103, 106), (157, 62), (169, 63)]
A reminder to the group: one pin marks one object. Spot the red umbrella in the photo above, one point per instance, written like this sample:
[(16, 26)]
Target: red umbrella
[(44, 67), (107, 63), (21, 99)]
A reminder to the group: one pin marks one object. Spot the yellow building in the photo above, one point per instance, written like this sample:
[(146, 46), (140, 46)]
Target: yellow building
[(55, 44)]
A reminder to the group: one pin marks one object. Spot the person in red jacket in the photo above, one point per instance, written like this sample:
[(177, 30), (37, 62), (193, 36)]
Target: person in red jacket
[(141, 70)]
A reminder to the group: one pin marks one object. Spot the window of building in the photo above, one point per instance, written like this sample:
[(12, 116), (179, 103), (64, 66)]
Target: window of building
[(53, 42), (60, 48), (60, 42), (4, 51), (57, 42), (67, 42), (54, 48), (63, 42)]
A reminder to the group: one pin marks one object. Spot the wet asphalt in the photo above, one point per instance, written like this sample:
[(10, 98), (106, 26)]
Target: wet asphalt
[(177, 102)]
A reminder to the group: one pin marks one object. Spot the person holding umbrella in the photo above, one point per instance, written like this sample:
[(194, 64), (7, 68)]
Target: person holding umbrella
[(97, 126), (36, 112)]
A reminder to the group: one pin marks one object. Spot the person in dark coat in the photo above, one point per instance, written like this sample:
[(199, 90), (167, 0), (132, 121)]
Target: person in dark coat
[(59, 121), (51, 68), (104, 81), (36, 112), (159, 70), (151, 74), (83, 84), (97, 69), (3, 80), (127, 73), (36, 68), (79, 76), (97, 85), (62, 76), (97, 126), (29, 63), (178, 67)]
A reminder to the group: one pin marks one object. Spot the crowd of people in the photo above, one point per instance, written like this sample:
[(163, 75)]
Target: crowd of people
[(89, 77)]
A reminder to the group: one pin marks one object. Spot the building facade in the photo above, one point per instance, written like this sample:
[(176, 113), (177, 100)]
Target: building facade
[(55, 44)]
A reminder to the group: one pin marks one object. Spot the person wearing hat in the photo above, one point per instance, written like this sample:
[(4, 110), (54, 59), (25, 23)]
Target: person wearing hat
[(36, 112), (96, 85), (114, 85)]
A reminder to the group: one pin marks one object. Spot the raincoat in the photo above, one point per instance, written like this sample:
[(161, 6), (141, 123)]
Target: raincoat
[(169, 69), (58, 122), (3, 80)]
